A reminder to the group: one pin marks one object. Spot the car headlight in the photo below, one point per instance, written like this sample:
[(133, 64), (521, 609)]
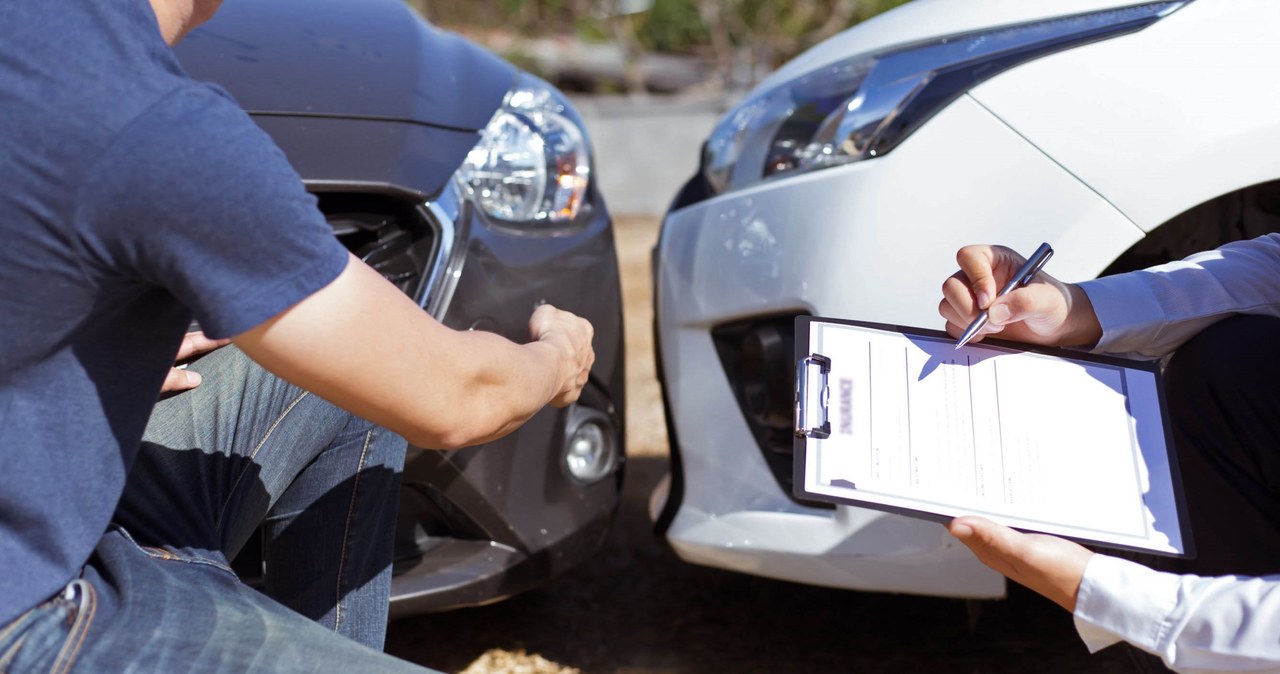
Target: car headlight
[(532, 164), (865, 106)]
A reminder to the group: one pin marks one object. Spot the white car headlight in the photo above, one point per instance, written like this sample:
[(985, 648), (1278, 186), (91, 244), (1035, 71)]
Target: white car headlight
[(532, 164), (864, 106)]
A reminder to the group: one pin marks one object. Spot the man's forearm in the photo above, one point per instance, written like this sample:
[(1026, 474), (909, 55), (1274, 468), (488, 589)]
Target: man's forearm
[(1150, 313), (361, 344)]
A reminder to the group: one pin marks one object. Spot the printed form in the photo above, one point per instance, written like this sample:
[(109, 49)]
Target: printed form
[(1038, 442)]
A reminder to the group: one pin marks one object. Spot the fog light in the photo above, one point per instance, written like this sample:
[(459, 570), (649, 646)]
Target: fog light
[(590, 449)]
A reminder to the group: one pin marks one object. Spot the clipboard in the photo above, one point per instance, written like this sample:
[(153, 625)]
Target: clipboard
[(1047, 440)]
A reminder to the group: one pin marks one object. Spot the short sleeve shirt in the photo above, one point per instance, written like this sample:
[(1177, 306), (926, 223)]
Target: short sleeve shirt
[(133, 200)]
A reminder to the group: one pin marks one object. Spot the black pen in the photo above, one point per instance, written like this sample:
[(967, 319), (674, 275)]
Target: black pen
[(1027, 272)]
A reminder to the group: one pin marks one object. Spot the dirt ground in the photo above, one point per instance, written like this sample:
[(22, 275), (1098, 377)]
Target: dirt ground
[(637, 609)]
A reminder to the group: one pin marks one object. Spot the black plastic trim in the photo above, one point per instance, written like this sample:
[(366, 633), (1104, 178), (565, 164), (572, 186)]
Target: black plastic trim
[(361, 117), (774, 440), (675, 489), (696, 189)]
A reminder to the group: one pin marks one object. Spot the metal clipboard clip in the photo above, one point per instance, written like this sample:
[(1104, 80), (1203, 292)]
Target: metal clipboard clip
[(812, 397)]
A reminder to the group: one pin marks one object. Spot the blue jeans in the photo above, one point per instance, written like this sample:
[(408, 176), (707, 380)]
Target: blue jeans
[(243, 449)]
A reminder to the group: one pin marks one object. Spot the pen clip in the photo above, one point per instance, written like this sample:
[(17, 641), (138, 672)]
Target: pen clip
[(1037, 262), (812, 396)]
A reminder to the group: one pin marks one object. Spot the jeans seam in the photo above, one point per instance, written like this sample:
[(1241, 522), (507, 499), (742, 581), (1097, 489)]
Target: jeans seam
[(7, 658), (163, 555), (13, 625), (79, 629), (346, 532), (10, 653), (222, 512)]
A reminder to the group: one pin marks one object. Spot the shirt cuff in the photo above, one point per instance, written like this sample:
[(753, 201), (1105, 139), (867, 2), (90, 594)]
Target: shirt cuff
[(1121, 600), (1127, 310)]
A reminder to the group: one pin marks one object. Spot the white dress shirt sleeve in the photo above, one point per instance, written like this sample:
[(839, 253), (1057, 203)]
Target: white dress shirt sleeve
[(1195, 624), (1150, 313)]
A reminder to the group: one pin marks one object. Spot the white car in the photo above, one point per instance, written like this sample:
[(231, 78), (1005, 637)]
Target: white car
[(1123, 134)]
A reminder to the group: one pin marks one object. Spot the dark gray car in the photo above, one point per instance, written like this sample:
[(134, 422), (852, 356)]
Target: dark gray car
[(469, 185)]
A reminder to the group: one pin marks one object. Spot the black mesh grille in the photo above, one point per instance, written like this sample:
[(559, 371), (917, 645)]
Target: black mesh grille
[(758, 357), (389, 234)]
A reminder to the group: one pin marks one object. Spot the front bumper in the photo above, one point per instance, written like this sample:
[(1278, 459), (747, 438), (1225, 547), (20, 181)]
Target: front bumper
[(482, 523), (871, 241)]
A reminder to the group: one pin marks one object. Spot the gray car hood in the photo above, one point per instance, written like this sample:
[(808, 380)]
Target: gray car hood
[(350, 58)]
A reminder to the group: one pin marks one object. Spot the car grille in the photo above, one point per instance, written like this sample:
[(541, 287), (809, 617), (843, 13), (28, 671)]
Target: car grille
[(389, 234), (758, 357)]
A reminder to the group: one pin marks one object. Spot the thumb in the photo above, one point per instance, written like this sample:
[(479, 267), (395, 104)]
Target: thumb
[(1038, 303), (994, 545), (982, 534), (1051, 566), (180, 379), (978, 264), (541, 320)]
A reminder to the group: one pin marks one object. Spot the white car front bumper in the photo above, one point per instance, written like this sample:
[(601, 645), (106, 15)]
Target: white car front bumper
[(872, 241)]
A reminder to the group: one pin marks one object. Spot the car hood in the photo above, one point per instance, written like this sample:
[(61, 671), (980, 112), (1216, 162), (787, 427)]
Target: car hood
[(348, 58), (928, 19)]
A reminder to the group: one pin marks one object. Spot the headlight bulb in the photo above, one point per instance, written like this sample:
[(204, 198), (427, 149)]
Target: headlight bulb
[(532, 164)]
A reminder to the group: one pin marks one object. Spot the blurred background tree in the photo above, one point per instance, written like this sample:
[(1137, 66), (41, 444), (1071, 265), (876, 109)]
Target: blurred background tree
[(739, 39)]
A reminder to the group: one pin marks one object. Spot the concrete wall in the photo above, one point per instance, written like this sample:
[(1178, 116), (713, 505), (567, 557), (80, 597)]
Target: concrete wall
[(646, 147)]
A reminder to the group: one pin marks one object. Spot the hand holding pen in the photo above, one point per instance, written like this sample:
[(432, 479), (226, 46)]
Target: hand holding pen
[(999, 291), (1020, 278)]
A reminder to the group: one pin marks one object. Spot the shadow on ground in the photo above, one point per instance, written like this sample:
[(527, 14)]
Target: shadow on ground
[(636, 608)]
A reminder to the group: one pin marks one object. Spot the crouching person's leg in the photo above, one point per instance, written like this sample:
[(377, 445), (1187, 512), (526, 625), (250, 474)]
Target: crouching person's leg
[(245, 447), (1223, 390), (328, 539), (140, 609)]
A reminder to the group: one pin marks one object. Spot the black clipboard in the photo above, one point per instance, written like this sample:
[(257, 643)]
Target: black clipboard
[(822, 424)]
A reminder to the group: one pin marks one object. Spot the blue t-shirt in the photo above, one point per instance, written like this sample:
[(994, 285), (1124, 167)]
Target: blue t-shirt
[(131, 199)]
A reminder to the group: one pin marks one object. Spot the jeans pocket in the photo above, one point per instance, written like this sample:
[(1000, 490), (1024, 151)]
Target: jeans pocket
[(49, 637)]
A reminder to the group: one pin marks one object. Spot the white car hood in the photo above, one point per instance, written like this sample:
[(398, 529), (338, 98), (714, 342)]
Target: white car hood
[(927, 19)]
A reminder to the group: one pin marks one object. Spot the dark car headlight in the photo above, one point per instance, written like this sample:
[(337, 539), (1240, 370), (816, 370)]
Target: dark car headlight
[(532, 165), (865, 106)]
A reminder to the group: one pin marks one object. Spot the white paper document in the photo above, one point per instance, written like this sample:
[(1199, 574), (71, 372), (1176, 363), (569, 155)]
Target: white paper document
[(1058, 444)]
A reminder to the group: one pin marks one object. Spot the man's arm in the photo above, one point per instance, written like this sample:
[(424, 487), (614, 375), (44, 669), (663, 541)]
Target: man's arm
[(1151, 312), (363, 345)]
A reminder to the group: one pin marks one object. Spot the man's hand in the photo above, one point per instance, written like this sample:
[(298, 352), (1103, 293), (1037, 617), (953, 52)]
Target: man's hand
[(571, 336), (1049, 565), (1045, 311), (193, 344)]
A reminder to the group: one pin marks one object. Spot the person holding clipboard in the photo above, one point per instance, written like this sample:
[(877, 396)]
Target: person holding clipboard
[(1217, 314)]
